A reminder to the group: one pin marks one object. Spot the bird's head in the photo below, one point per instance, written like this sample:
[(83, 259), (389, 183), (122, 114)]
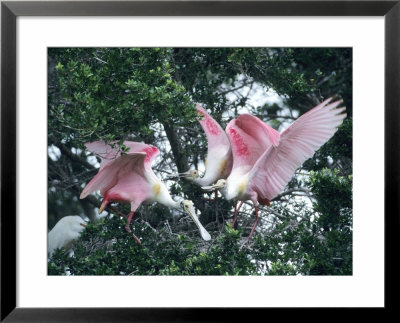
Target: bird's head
[(77, 225), (186, 204), (221, 183), (188, 208), (190, 174)]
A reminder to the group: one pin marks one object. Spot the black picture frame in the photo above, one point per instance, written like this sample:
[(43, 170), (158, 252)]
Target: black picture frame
[(10, 10)]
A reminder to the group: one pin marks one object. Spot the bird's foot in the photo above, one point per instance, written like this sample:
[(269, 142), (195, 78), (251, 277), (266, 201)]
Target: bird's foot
[(246, 241), (128, 229), (243, 244), (136, 238)]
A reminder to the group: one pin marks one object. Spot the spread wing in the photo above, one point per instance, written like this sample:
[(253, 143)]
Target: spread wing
[(111, 151), (105, 151), (219, 154), (108, 177), (216, 136), (274, 169), (250, 137)]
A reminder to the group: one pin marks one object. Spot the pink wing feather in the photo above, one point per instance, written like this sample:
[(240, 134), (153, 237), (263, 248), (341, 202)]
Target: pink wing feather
[(103, 150), (218, 151), (274, 169), (216, 136), (107, 153), (109, 176), (249, 138)]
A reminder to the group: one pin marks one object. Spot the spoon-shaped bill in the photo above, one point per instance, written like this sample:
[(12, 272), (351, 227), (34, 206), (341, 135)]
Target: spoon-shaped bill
[(189, 174), (219, 184), (203, 232)]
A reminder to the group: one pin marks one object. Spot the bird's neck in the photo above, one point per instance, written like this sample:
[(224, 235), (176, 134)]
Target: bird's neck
[(175, 205), (162, 196), (169, 202), (236, 186), (210, 177), (201, 181)]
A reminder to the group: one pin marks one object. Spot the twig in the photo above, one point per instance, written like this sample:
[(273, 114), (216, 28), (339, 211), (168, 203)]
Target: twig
[(236, 88), (168, 226), (288, 192), (100, 60), (148, 224)]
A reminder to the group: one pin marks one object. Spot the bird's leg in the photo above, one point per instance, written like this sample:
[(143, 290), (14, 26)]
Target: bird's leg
[(136, 238), (215, 197), (130, 217), (103, 205), (255, 223), (236, 212), (127, 228)]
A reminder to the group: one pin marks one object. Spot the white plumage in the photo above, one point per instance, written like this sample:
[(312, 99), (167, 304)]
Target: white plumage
[(64, 233)]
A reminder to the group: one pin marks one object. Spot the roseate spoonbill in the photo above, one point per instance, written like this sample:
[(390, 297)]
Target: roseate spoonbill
[(219, 153), (129, 178), (265, 160), (64, 233)]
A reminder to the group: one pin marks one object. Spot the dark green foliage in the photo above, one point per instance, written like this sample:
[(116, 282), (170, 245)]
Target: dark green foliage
[(148, 94), (336, 153), (106, 248), (316, 243), (101, 89)]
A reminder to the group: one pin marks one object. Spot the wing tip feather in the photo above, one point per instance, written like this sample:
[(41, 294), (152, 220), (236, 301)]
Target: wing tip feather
[(84, 193), (200, 108)]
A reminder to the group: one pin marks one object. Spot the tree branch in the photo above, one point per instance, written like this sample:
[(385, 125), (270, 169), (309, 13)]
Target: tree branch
[(288, 192), (180, 158)]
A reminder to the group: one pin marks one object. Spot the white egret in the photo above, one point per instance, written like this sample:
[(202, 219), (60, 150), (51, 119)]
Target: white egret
[(64, 233)]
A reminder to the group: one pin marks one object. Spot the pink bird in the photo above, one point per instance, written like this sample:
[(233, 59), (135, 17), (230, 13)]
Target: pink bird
[(130, 179), (265, 160), (219, 154)]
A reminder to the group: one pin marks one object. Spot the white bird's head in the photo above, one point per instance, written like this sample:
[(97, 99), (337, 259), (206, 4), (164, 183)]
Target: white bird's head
[(231, 188), (191, 174), (188, 208)]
